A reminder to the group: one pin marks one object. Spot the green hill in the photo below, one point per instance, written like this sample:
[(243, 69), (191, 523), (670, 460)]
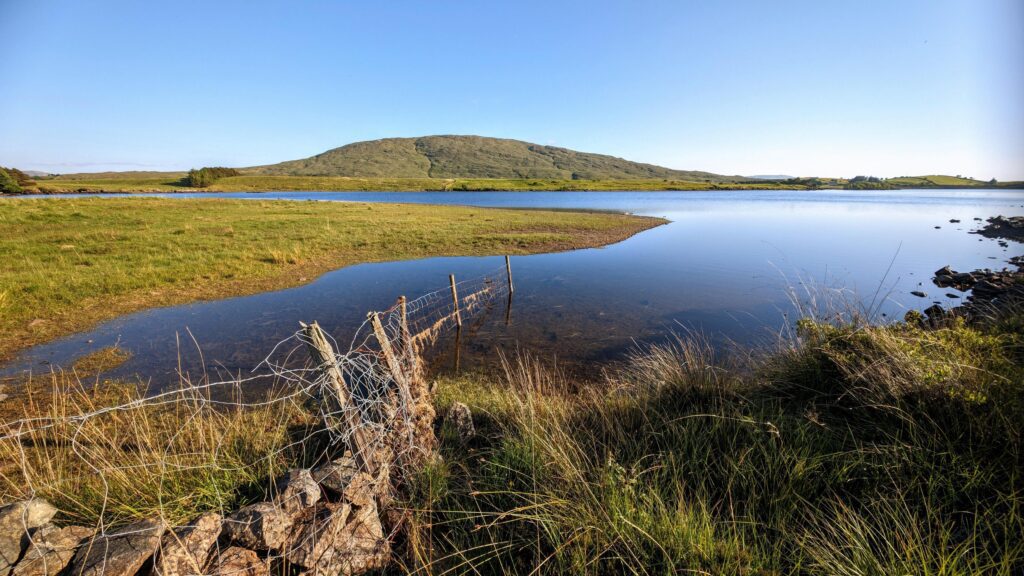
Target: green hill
[(474, 157)]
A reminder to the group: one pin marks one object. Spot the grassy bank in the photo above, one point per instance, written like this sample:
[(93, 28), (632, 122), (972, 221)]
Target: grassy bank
[(851, 449), (70, 263), (175, 182)]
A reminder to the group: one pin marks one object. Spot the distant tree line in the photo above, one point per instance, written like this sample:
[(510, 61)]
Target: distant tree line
[(14, 181), (203, 177)]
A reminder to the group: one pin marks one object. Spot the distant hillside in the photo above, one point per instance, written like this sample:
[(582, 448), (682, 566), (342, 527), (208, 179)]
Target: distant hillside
[(474, 157)]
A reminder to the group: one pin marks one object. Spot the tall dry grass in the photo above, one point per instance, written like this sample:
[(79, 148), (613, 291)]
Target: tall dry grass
[(103, 455), (848, 449)]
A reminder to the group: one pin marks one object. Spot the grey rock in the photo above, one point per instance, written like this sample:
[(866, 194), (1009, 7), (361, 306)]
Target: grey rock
[(16, 521), (236, 561), (188, 549), (918, 293), (121, 553), (262, 526), (460, 418), (336, 476), (296, 491), (51, 550)]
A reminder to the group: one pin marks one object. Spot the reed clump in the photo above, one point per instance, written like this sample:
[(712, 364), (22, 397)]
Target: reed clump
[(848, 449)]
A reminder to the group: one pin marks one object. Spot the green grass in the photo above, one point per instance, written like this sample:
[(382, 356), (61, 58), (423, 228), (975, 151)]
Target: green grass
[(855, 450), (69, 263), (269, 183), (936, 181)]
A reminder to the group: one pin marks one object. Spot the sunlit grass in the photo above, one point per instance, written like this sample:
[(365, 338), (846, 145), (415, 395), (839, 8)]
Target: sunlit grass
[(71, 262)]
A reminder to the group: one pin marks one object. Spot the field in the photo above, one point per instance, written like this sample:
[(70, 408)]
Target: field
[(69, 263)]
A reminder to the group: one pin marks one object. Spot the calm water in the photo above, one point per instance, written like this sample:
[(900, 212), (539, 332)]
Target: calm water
[(724, 266)]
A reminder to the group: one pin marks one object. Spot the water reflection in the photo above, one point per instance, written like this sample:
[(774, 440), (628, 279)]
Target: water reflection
[(724, 266)]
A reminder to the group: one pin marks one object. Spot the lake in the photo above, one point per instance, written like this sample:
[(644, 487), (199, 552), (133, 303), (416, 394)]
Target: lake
[(728, 266)]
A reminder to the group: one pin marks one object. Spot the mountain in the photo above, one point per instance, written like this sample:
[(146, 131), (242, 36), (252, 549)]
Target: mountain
[(474, 157)]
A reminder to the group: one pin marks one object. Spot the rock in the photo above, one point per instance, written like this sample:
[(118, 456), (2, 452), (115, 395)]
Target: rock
[(297, 490), (16, 521), (262, 526), (332, 539), (236, 561), (954, 221), (121, 553), (362, 490), (461, 420), (188, 549), (934, 312), (918, 293), (964, 278), (51, 550), (336, 476), (943, 281), (938, 227), (951, 295)]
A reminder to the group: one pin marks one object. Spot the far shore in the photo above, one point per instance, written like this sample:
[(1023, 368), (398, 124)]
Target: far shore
[(170, 182)]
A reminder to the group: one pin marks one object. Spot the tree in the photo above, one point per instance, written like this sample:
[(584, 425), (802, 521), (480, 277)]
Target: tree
[(9, 183)]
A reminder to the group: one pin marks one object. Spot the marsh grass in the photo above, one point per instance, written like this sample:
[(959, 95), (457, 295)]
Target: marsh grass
[(69, 263), (848, 449)]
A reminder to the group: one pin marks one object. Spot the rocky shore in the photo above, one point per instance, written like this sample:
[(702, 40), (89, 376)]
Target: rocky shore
[(988, 289), (1003, 227)]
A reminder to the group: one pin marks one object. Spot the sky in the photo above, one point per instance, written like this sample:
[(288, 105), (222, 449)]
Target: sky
[(872, 87)]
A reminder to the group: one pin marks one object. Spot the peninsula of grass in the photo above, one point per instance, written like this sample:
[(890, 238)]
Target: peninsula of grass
[(70, 263)]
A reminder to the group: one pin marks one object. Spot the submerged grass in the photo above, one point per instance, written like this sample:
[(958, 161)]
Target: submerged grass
[(69, 263), (853, 449)]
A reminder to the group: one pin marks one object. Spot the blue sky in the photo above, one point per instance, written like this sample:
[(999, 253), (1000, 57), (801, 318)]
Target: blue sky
[(817, 87)]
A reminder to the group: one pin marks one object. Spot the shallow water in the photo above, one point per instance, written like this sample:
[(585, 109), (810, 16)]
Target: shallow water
[(727, 265)]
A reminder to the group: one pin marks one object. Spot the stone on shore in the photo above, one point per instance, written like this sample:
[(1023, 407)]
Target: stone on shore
[(262, 526), (51, 550), (297, 491), (121, 553), (336, 475), (16, 521), (461, 420), (339, 538), (188, 549), (237, 561)]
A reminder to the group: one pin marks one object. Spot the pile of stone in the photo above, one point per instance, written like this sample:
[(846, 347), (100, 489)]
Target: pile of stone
[(321, 522), (1006, 227), (988, 288)]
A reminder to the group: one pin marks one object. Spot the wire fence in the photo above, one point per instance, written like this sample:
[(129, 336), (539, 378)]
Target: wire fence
[(368, 398)]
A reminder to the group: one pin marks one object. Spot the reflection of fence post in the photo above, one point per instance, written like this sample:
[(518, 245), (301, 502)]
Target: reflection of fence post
[(455, 300), (508, 269), (323, 356)]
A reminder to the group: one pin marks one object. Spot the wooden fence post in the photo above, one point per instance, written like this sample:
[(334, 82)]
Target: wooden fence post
[(392, 361), (455, 300), (323, 356), (508, 269)]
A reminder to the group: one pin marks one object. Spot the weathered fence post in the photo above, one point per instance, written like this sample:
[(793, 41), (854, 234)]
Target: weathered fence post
[(455, 301), (397, 373), (508, 269), (323, 356)]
